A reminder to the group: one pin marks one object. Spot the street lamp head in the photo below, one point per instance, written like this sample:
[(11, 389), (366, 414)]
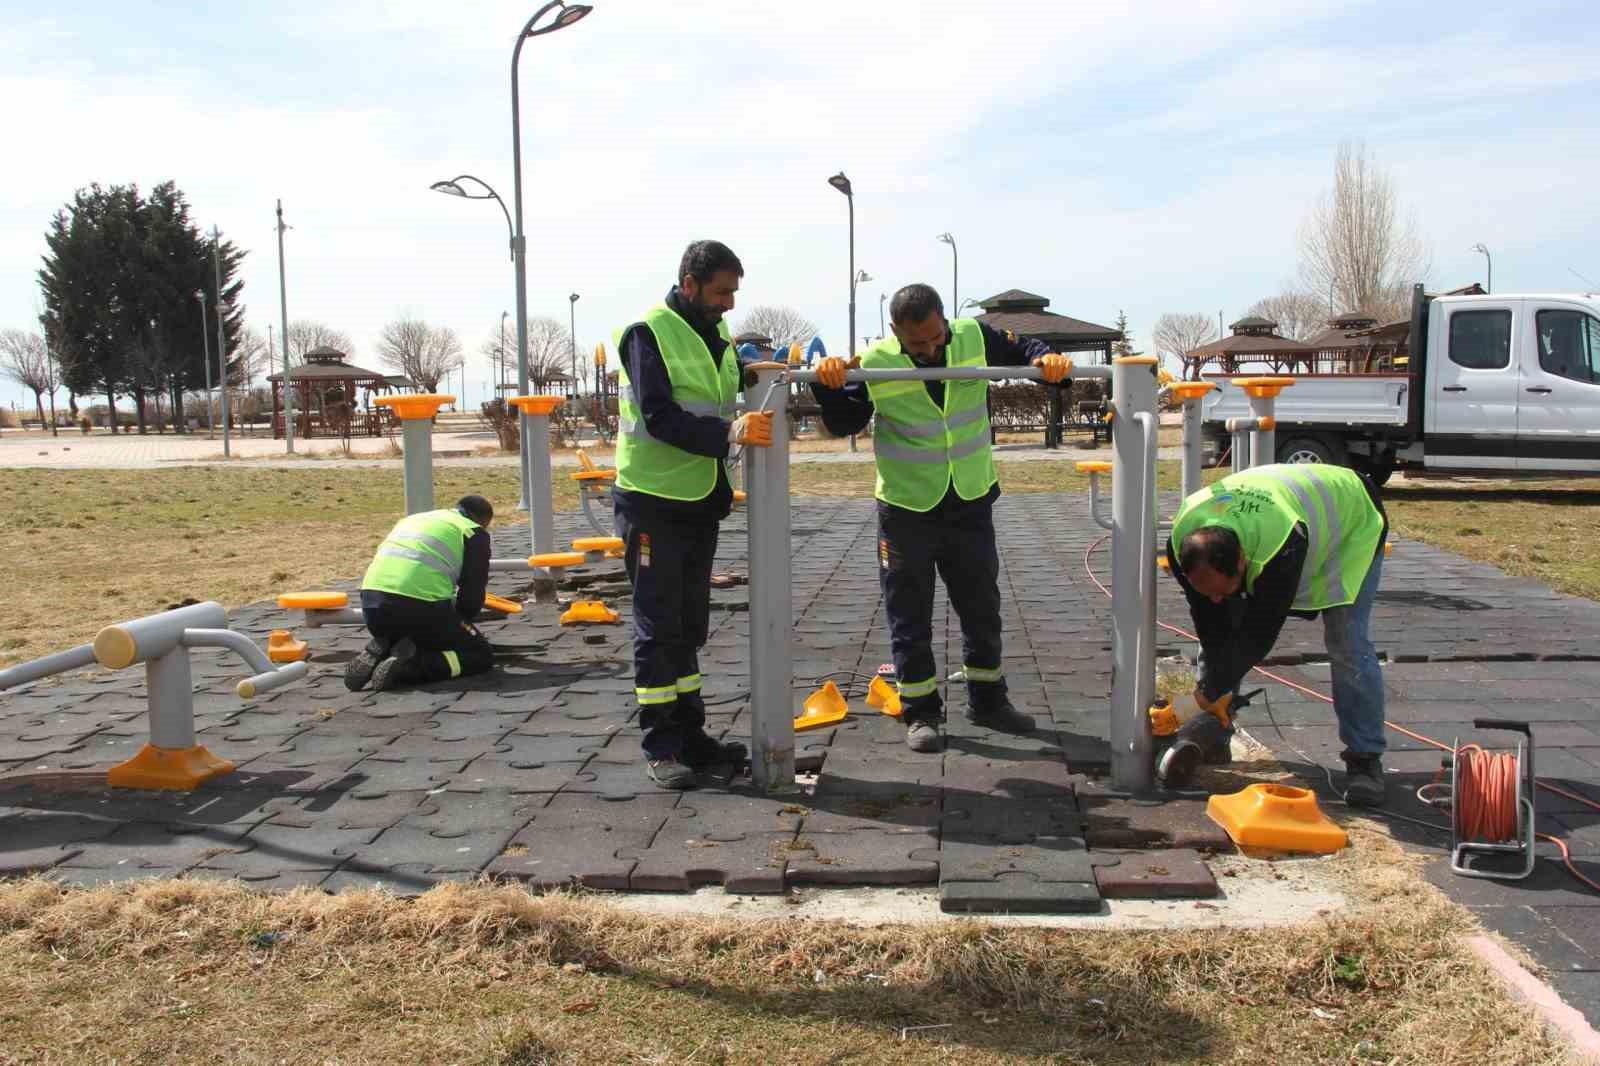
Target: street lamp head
[(449, 188), (1479, 248), (840, 182), (200, 294), (569, 14), (572, 299), (862, 275), (947, 239)]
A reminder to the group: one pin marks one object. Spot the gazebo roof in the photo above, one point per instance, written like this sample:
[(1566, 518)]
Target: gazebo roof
[(399, 381), (328, 364), (1251, 344), (1024, 313)]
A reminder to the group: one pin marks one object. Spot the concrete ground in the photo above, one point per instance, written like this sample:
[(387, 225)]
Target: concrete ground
[(533, 772)]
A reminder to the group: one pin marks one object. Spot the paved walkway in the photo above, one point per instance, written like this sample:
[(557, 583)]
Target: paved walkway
[(533, 772)]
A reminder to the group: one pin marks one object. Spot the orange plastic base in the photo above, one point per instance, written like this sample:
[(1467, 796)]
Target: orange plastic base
[(313, 601), (884, 696), (501, 604), (597, 544), (823, 707), (1277, 818), (589, 611), (556, 560), (168, 768), (283, 648)]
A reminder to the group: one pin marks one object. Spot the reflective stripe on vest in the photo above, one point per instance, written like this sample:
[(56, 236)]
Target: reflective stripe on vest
[(1263, 505), (700, 386), (919, 448), (422, 556)]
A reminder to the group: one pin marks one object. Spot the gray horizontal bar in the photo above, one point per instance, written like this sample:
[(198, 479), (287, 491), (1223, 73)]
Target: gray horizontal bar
[(946, 373)]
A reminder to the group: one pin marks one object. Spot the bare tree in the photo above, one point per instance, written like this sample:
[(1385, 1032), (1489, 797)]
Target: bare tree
[(549, 349), (1354, 244), (421, 352), (499, 348), (306, 334), (25, 359), (1299, 315), (1177, 333), (784, 325), (250, 357)]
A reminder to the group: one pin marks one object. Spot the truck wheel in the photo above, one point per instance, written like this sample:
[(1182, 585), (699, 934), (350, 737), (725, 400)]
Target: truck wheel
[(1309, 450)]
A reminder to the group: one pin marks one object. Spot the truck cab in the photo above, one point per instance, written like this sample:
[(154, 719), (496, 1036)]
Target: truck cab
[(1500, 384)]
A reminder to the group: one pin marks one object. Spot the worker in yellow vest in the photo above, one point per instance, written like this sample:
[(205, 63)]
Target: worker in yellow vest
[(419, 598), (936, 490), (676, 424), (1289, 539)]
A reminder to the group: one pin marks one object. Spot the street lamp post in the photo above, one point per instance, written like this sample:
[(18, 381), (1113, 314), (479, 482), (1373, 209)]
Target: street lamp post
[(222, 339), (283, 310), (842, 183), (501, 377), (1488, 285), (205, 342), (572, 338), (882, 296), (955, 270)]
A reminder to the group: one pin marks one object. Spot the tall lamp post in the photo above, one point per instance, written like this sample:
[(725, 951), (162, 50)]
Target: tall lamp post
[(882, 296), (222, 338), (955, 269), (205, 342), (1488, 285), (283, 310), (501, 377), (572, 338), (842, 183)]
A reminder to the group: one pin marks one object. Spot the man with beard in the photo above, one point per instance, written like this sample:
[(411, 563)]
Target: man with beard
[(679, 381)]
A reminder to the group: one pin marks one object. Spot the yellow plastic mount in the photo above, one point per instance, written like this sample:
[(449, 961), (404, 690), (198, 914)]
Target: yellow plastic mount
[(1191, 390), (823, 707), (501, 604), (589, 611), (1262, 387), (313, 601), (1388, 548), (283, 648), (585, 476), (168, 768), (884, 696), (1136, 360), (738, 495), (557, 560), (1276, 817), (1163, 563), (536, 405), (414, 405), (597, 544), (1093, 466)]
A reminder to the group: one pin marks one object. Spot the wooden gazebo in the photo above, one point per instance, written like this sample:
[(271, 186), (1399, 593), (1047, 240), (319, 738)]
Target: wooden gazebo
[(326, 403), (1254, 340)]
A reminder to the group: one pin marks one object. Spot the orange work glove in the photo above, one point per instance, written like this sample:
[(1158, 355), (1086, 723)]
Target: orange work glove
[(1056, 367), (832, 369), (754, 427)]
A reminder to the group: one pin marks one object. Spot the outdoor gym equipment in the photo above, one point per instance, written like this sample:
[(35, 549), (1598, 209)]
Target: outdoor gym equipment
[(1133, 568), (1189, 394), (1276, 818), (1490, 801), (171, 759), (333, 608), (416, 412), (1254, 439)]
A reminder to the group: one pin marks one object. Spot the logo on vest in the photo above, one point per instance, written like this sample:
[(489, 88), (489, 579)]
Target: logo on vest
[(644, 549)]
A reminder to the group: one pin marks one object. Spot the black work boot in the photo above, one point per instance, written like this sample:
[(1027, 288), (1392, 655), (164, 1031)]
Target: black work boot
[(701, 752), (997, 712), (1363, 782), (402, 667), (669, 772), (358, 671), (922, 726)]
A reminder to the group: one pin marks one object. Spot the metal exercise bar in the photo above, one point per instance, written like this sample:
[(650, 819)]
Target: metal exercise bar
[(771, 591), (1133, 401), (951, 373)]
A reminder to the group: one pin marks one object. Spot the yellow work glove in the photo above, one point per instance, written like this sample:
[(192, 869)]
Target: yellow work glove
[(1056, 367), (832, 369), (754, 427), (1217, 707)]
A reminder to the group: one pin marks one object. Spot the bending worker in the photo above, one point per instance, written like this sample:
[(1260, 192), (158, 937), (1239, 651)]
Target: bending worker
[(679, 381), (1302, 539), (936, 491), (419, 597)]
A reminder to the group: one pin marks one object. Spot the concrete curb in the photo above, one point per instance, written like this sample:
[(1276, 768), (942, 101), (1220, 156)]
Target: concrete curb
[(1559, 1018)]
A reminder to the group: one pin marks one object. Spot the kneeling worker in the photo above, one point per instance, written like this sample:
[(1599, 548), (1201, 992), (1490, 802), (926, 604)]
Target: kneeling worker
[(936, 491), (420, 596), (1302, 539)]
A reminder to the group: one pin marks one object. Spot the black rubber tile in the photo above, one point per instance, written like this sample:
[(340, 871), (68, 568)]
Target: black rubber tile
[(357, 810), (971, 816), (863, 857), (749, 863), (1019, 893), (1112, 821), (599, 858), (316, 847), (901, 813), (174, 846), (491, 772), (1173, 873), (497, 808), (1045, 777), (452, 851), (379, 776)]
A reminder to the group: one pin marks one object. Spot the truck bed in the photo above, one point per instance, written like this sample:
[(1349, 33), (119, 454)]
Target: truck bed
[(1318, 400)]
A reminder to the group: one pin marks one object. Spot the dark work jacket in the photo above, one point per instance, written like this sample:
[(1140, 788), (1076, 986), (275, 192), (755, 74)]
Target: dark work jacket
[(847, 411), (1238, 633), (671, 424), (470, 589)]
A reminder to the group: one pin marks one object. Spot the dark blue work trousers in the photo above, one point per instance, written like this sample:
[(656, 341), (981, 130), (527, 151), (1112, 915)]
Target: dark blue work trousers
[(449, 646), (669, 566), (956, 541)]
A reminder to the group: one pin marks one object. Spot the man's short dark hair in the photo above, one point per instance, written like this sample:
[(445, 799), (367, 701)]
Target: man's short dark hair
[(476, 508), (703, 259), (915, 303), (1212, 547)]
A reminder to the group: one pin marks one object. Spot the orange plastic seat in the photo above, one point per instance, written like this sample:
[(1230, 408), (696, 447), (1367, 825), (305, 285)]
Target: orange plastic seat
[(597, 544), (313, 601), (593, 475), (414, 405), (535, 405), (283, 648), (589, 611), (501, 604), (1093, 466), (557, 560), (1191, 390)]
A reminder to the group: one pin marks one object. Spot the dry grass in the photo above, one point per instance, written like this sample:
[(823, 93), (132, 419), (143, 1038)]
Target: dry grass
[(178, 972)]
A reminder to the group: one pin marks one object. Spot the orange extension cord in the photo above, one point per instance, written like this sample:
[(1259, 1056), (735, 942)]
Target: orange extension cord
[(1487, 788)]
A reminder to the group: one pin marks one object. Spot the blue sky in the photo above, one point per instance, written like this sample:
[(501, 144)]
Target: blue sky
[(1157, 157)]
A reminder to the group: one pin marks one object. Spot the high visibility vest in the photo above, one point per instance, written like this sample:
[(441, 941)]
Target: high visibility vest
[(920, 448), (1262, 506), (422, 556), (700, 386)]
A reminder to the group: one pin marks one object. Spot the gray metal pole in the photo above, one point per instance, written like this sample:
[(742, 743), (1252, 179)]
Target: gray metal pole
[(170, 685), (541, 514), (519, 253), (283, 309), (1191, 447), (416, 434), (771, 591), (1263, 438), (1132, 589), (205, 343), (222, 339)]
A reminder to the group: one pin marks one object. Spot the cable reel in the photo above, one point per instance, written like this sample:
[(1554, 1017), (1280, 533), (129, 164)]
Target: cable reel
[(1490, 800)]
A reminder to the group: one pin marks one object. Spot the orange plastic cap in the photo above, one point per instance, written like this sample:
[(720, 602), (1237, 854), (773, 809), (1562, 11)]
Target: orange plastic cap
[(168, 768), (1093, 466), (414, 405), (283, 648), (884, 696), (823, 707), (536, 405), (1277, 818), (738, 496), (597, 544), (313, 601), (1136, 360), (501, 604), (588, 611), (1191, 390), (1263, 387), (556, 560)]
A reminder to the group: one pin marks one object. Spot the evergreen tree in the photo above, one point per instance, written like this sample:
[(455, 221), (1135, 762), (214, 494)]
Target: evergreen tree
[(1120, 348)]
